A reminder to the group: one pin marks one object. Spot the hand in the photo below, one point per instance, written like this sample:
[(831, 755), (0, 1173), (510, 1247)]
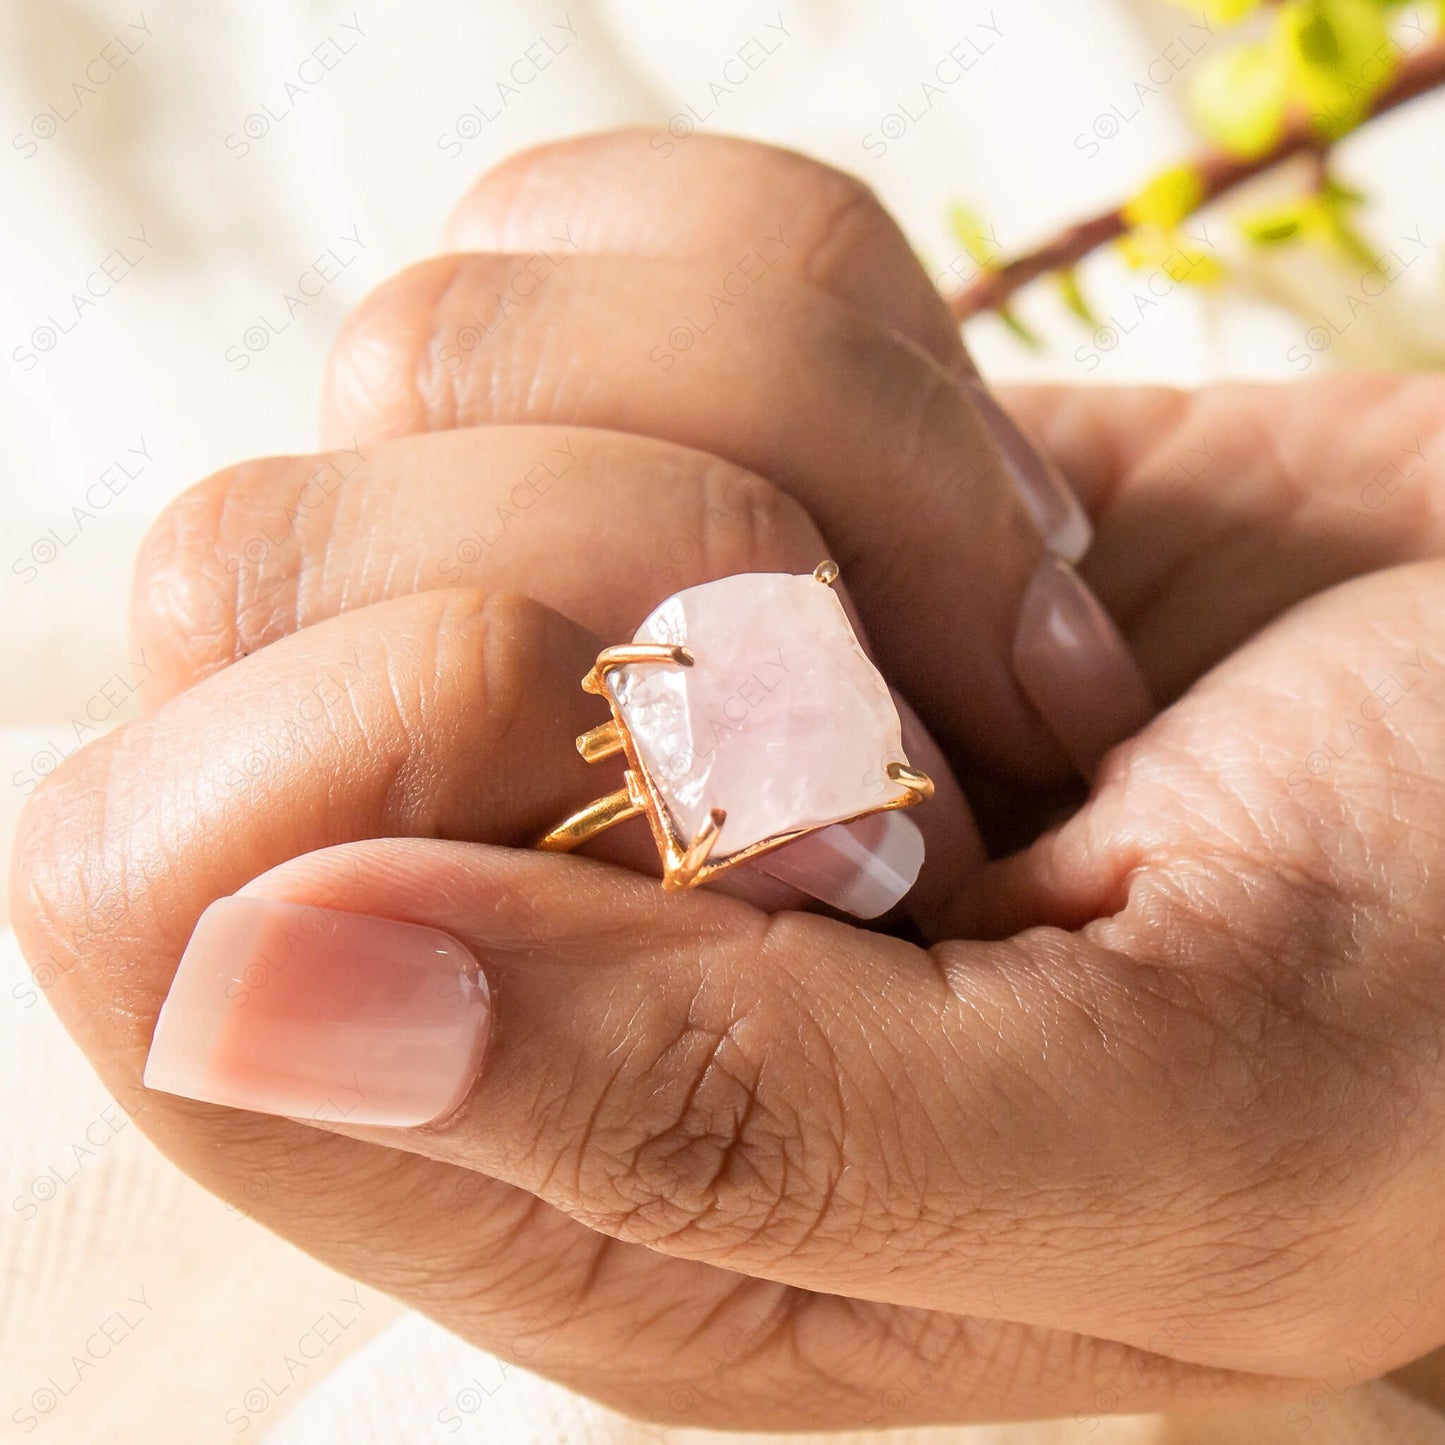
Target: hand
[(793, 1173)]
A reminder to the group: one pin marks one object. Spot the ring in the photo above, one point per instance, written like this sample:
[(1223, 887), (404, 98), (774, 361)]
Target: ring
[(756, 730)]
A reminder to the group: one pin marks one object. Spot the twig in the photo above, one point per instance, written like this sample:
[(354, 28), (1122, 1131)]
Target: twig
[(1218, 174)]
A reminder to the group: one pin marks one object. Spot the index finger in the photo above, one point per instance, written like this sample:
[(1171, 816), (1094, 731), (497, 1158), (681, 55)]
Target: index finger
[(641, 193)]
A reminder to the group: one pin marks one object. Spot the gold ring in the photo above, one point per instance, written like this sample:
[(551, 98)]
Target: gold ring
[(747, 698)]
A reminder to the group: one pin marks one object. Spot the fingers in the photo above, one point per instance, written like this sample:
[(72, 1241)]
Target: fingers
[(1289, 806), (336, 981), (641, 193), (1218, 510), (420, 715), (598, 525), (1311, 758), (1242, 1037), (801, 1101), (895, 462)]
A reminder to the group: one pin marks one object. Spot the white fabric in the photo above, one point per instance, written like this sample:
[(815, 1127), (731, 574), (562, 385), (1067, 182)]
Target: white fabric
[(150, 177)]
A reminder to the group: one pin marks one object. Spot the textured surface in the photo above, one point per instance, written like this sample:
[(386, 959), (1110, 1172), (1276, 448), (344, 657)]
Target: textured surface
[(781, 721)]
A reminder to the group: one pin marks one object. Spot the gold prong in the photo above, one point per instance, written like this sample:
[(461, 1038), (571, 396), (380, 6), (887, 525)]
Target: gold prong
[(685, 874), (918, 783), (826, 573), (630, 655), (587, 822), (600, 742)]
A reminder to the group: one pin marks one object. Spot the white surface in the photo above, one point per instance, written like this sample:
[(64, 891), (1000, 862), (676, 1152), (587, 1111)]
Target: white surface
[(203, 239)]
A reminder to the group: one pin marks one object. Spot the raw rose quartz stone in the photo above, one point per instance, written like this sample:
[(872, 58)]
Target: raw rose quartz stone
[(862, 868), (782, 722)]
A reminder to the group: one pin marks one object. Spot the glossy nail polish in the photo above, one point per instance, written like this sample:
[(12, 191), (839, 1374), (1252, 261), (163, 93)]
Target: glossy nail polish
[(1075, 666), (1050, 501), (283, 1008)]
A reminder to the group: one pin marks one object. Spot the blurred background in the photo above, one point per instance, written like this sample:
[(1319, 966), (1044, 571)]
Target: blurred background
[(194, 198)]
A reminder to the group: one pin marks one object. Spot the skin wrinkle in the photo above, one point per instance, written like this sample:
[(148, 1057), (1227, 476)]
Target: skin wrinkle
[(549, 1116), (693, 1130), (779, 1299), (858, 209), (437, 396), (827, 1145), (585, 1137), (831, 338), (177, 592)]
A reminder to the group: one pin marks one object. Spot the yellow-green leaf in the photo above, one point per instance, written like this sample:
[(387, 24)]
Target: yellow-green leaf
[(1167, 199), (1341, 193), (1074, 297), (1339, 57), (1030, 338), (972, 234), (1288, 222), (1238, 98), (1321, 218)]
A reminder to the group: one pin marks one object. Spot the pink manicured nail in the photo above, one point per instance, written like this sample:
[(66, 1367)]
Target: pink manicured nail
[(310, 1013), (1056, 511), (1075, 666), (863, 868)]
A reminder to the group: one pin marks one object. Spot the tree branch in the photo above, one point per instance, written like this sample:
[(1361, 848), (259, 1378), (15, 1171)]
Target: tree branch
[(1418, 74)]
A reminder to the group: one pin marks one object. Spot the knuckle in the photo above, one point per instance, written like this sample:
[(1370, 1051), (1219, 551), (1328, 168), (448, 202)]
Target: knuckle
[(747, 523), (223, 571), (217, 576), (388, 373), (493, 640), (433, 349), (851, 218), (68, 888), (457, 652), (698, 1146), (183, 601)]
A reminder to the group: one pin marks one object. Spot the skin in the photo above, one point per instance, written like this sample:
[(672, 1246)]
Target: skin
[(1153, 1120)]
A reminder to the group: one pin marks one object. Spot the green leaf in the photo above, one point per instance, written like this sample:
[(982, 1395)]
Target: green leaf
[(1074, 297), (1238, 98), (1030, 338), (1341, 193), (1167, 199), (1273, 227), (973, 234), (1324, 217), (1339, 56)]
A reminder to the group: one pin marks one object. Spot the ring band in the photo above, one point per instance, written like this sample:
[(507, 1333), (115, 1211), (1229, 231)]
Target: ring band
[(714, 723)]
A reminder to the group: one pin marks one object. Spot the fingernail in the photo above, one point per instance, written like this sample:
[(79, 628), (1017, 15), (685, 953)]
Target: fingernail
[(1075, 667), (862, 868), (1056, 511), (310, 1013)]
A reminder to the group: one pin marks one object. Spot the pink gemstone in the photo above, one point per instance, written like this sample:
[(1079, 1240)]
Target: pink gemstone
[(862, 868), (782, 721)]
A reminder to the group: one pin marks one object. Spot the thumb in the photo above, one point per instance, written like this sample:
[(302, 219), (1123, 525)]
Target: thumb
[(782, 1095)]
